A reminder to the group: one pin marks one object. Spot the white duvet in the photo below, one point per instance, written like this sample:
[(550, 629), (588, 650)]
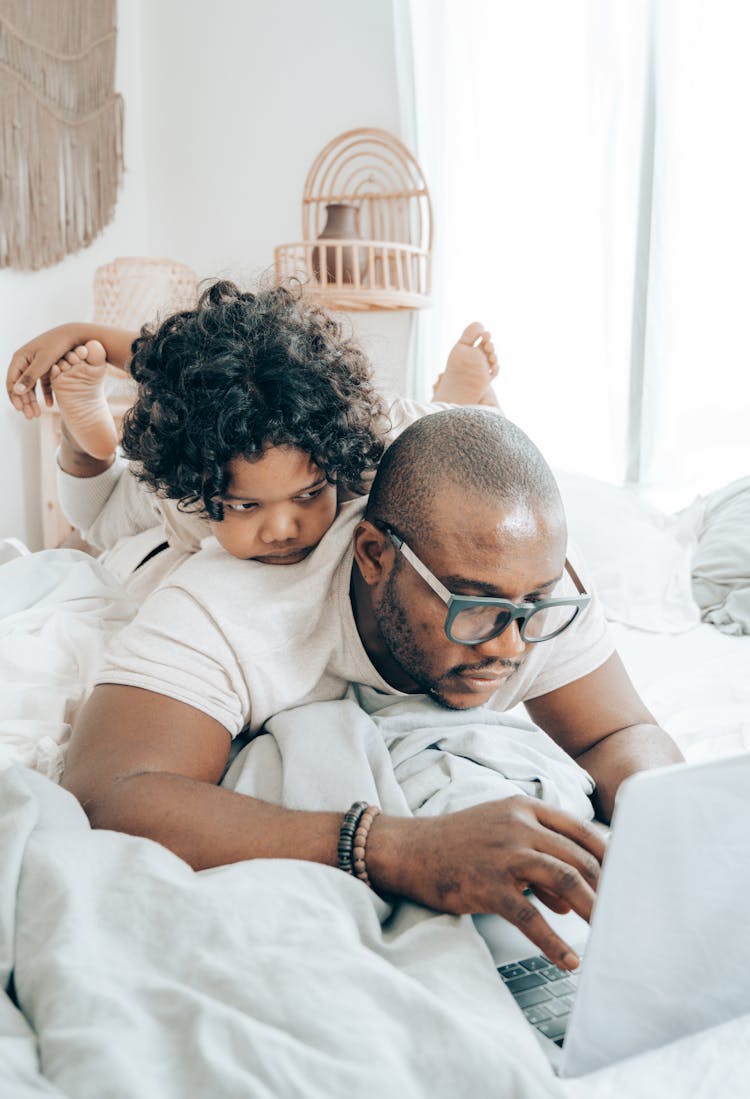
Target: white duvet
[(138, 977), (141, 979)]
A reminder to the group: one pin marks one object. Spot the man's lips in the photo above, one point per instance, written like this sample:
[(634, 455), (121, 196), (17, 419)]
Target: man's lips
[(483, 678)]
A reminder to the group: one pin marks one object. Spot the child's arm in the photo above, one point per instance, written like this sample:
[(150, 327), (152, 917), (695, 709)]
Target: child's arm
[(32, 362)]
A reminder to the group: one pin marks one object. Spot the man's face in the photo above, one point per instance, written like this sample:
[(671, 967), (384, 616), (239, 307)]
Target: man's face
[(488, 549), (276, 509)]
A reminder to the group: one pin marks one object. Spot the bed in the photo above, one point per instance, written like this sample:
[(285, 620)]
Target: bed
[(126, 974)]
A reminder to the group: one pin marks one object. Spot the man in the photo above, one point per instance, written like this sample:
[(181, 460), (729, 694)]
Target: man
[(454, 582)]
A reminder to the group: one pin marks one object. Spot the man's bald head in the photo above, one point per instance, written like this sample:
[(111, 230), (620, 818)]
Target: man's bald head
[(476, 454)]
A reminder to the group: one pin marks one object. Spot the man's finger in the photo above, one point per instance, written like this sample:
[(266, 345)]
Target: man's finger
[(569, 853), (560, 878), (551, 900), (580, 831), (529, 920)]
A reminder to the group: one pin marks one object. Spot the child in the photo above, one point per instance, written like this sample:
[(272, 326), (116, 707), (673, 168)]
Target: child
[(255, 416)]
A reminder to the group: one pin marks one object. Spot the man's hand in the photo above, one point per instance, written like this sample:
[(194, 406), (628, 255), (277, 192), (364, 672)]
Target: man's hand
[(481, 860)]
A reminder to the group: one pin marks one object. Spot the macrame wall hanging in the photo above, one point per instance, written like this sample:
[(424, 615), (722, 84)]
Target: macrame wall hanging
[(60, 127)]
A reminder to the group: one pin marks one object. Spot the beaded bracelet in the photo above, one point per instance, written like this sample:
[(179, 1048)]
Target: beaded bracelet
[(360, 843), (349, 826)]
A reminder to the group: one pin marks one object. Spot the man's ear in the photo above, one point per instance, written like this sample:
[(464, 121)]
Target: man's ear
[(373, 552)]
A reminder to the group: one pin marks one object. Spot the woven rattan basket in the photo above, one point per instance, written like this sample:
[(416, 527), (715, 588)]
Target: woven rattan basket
[(133, 290), (128, 292), (385, 262)]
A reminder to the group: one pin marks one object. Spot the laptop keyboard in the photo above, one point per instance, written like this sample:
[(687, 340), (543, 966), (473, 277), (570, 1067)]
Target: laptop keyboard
[(543, 992)]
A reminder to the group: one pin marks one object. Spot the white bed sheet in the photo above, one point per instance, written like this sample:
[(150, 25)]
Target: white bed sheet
[(697, 684)]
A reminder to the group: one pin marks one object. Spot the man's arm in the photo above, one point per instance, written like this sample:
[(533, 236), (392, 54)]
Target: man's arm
[(603, 723), (148, 765)]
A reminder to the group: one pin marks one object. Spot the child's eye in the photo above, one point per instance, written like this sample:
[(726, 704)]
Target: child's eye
[(239, 507), (310, 495)]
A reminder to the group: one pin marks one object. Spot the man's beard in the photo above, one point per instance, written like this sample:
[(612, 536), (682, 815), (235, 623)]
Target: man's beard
[(395, 629)]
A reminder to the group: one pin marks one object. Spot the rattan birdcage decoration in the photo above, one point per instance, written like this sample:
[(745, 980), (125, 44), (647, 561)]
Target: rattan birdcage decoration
[(366, 194)]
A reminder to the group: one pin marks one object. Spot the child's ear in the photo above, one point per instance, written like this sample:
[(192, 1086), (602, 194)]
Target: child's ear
[(373, 552)]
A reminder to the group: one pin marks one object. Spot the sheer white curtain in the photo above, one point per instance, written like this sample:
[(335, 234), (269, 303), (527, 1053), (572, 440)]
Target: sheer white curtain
[(593, 209)]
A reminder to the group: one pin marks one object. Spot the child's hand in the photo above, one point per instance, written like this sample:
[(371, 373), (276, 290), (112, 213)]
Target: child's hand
[(32, 363), (469, 370)]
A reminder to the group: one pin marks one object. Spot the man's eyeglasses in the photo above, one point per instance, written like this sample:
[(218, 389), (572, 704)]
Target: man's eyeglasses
[(473, 619)]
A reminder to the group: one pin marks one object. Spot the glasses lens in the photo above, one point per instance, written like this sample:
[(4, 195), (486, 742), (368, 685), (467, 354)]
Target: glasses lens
[(478, 623), (547, 622)]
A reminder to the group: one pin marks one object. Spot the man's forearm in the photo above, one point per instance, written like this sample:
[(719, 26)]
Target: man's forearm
[(475, 860), (622, 753), (207, 825)]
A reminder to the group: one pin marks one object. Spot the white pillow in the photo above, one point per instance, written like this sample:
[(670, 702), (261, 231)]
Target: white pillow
[(638, 557), (721, 565)]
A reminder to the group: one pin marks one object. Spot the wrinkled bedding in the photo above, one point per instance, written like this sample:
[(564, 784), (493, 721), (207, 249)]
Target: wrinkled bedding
[(58, 609), (721, 561), (138, 977)]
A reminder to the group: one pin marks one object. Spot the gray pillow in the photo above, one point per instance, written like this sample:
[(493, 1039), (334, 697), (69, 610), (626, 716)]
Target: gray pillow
[(721, 562)]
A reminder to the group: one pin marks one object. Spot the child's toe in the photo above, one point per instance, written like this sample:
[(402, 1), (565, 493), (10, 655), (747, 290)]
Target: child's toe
[(96, 354), (472, 333)]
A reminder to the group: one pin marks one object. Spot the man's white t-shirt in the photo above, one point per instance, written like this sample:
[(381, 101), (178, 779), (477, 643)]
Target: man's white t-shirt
[(242, 641)]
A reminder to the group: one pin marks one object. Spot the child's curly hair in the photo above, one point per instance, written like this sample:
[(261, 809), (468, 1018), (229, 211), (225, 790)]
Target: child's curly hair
[(242, 372)]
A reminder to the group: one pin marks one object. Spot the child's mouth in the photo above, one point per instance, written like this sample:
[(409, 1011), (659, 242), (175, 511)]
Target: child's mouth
[(291, 557)]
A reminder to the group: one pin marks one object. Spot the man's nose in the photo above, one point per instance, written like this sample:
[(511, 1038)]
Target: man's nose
[(508, 645), (279, 526)]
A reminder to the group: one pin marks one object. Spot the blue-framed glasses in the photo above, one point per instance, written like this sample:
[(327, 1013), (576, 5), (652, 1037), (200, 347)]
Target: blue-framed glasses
[(473, 619)]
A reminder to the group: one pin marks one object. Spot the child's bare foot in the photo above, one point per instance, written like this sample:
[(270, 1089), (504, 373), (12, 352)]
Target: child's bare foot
[(469, 370), (78, 385)]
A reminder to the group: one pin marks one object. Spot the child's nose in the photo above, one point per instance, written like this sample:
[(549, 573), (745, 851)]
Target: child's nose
[(280, 526)]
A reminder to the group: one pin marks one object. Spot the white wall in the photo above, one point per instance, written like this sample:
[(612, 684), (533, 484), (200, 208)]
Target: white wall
[(241, 95), (226, 105), (34, 300)]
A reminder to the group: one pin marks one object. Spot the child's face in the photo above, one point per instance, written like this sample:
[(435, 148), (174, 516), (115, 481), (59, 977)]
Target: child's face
[(276, 509)]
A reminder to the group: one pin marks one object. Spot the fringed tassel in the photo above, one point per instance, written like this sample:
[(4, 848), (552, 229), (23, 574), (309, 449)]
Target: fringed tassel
[(61, 128), (73, 84), (62, 27)]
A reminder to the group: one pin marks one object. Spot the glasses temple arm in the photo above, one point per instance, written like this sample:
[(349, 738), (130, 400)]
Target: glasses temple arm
[(574, 577)]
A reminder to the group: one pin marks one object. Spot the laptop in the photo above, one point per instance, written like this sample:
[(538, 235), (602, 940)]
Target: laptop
[(667, 953)]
